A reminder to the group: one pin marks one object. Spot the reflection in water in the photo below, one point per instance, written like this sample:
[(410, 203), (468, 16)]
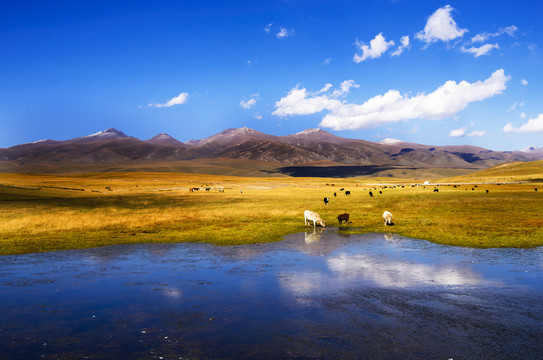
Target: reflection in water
[(393, 273), (318, 294), (313, 236)]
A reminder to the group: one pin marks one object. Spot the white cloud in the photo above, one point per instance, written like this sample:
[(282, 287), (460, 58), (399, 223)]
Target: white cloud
[(476, 133), (404, 45), (178, 100), (440, 26), (524, 82), (458, 132), (268, 28), (523, 115), (446, 101), (514, 106), (534, 125), (478, 51), (258, 116), (326, 61), (284, 33), (510, 30), (345, 87), (378, 46), (247, 104), (462, 133)]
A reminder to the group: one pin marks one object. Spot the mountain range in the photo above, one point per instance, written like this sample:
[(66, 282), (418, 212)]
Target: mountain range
[(312, 152)]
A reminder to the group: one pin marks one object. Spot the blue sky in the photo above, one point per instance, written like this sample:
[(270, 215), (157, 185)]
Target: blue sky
[(439, 73)]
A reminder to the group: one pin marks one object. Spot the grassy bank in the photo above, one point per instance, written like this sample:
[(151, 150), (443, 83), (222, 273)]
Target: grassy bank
[(45, 213)]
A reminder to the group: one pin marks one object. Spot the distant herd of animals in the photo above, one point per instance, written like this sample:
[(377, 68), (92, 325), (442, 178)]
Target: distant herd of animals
[(310, 216)]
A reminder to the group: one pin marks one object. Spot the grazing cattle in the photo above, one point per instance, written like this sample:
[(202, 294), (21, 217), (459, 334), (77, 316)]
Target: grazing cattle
[(312, 216), (221, 189), (341, 189), (388, 218), (343, 217), (194, 189), (326, 200), (371, 194), (487, 191), (535, 189), (380, 192), (336, 194), (347, 192), (436, 190), (207, 189)]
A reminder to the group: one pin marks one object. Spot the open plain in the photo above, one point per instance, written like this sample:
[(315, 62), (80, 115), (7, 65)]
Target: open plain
[(498, 207)]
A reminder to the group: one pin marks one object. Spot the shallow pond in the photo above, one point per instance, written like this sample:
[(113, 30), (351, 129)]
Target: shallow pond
[(318, 294)]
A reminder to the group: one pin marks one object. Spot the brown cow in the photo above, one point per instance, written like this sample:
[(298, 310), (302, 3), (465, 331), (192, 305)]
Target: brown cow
[(343, 217)]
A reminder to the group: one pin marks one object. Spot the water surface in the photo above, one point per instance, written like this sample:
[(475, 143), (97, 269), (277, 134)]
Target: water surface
[(319, 294)]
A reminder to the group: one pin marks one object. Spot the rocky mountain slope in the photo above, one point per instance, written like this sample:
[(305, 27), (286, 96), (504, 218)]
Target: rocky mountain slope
[(312, 147)]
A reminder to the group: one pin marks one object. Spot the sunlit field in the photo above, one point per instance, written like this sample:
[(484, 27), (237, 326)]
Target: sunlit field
[(46, 213)]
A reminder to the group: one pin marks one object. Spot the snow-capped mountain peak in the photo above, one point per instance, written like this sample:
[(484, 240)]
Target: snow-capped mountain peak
[(309, 131), (110, 133), (532, 149), (389, 141)]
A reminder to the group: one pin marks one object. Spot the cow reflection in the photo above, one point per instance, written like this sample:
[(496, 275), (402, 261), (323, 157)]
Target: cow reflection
[(313, 236)]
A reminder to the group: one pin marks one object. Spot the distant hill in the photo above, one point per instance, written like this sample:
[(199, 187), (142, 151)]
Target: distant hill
[(509, 172), (300, 154)]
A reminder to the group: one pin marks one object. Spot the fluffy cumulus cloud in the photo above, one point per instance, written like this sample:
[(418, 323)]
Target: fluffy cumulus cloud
[(478, 51), (524, 82), (247, 104), (404, 44), (440, 26), (534, 125), (377, 47), (178, 100), (446, 101), (458, 132)]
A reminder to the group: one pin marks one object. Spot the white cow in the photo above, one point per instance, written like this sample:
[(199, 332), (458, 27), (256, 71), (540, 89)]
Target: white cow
[(311, 216), (388, 218)]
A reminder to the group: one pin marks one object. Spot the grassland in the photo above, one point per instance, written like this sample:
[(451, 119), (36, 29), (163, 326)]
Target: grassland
[(48, 212)]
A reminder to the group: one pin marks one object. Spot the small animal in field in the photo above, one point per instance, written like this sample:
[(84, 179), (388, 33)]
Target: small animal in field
[(436, 190), (312, 216), (343, 217), (336, 194), (326, 200), (487, 191), (371, 194), (341, 189), (347, 192), (380, 192), (387, 216)]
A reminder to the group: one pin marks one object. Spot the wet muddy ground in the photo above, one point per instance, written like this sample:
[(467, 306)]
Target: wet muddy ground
[(316, 295)]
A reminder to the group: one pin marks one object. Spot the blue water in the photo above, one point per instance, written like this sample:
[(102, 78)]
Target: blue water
[(320, 294)]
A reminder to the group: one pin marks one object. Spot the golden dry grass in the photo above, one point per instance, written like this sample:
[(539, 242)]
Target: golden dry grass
[(45, 212)]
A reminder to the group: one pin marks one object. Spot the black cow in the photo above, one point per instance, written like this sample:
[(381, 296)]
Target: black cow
[(326, 200), (347, 192), (335, 194), (436, 190), (371, 194)]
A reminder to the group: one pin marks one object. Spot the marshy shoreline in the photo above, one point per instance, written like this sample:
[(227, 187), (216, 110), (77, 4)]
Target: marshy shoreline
[(52, 212)]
